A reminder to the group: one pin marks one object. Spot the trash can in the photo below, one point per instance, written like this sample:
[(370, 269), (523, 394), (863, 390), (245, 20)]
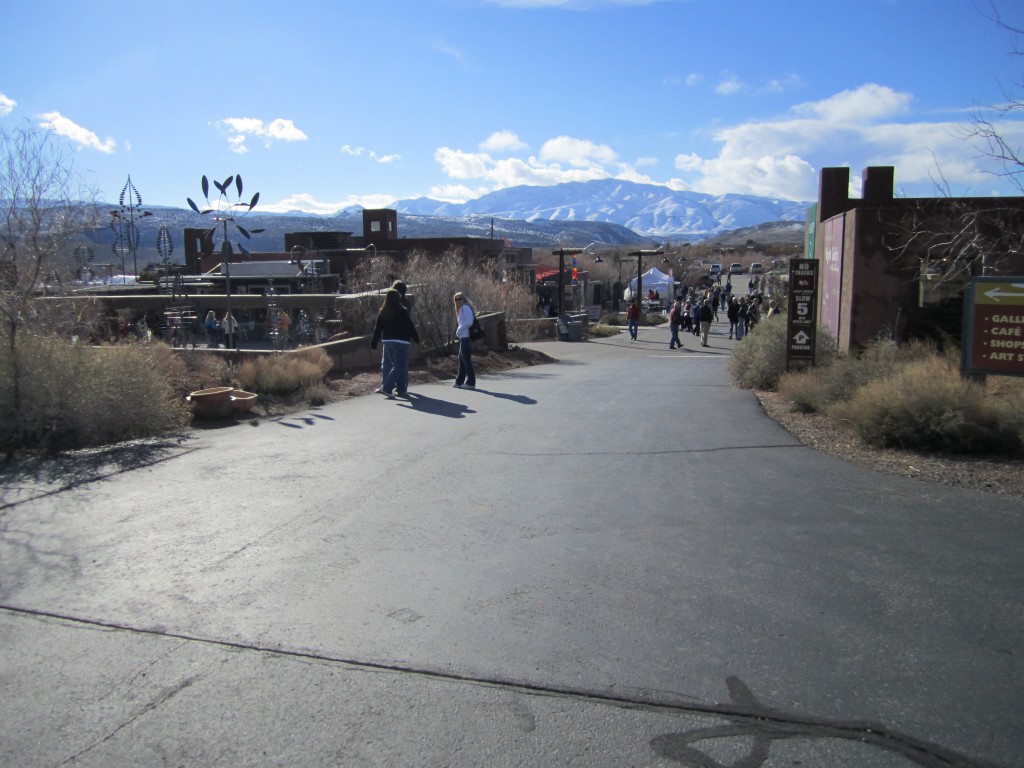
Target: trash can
[(575, 330)]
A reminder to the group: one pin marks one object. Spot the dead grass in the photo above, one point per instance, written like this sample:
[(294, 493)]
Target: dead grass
[(992, 474)]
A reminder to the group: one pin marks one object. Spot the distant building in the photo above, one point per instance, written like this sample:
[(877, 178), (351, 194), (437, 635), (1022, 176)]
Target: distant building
[(321, 261)]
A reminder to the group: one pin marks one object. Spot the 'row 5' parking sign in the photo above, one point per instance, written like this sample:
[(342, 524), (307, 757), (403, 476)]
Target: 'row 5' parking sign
[(803, 305)]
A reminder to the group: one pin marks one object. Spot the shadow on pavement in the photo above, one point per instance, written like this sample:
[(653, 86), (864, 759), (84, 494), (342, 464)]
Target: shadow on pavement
[(435, 407), (521, 399)]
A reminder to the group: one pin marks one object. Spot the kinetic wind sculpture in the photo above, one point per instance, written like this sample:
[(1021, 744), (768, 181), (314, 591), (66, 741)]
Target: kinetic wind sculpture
[(84, 256), (164, 246), (122, 222), (225, 212)]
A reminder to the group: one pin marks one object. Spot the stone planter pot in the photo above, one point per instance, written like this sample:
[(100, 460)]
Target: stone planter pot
[(212, 403), (242, 401)]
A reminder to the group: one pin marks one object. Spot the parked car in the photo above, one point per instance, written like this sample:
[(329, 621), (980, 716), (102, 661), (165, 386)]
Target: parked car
[(757, 269), (715, 270), (735, 268)]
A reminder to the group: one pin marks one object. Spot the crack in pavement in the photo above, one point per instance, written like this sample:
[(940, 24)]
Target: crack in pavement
[(665, 452), (747, 716)]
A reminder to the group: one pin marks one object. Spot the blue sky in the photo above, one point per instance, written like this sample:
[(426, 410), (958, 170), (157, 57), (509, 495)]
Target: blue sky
[(320, 105)]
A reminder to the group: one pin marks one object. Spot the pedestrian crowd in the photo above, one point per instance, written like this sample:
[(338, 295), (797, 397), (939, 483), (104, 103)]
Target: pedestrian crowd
[(695, 309)]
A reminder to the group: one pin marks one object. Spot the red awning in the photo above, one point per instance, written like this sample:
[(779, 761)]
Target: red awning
[(543, 270)]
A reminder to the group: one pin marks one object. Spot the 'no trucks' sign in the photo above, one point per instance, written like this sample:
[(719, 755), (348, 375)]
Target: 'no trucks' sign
[(994, 326)]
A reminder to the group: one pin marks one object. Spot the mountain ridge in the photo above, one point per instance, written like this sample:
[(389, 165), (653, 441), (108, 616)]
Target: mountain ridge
[(650, 210)]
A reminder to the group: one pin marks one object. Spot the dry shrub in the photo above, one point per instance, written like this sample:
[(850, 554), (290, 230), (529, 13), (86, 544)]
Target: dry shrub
[(74, 396), (285, 373), (816, 389), (759, 360), (926, 405), (202, 369)]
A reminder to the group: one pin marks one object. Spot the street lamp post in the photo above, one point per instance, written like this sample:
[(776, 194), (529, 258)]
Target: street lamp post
[(561, 253), (640, 269)]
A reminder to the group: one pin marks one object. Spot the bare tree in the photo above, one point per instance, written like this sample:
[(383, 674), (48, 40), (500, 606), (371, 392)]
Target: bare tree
[(951, 239), (42, 209), (987, 130)]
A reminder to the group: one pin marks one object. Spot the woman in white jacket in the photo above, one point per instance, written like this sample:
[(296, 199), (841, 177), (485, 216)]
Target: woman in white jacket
[(465, 315)]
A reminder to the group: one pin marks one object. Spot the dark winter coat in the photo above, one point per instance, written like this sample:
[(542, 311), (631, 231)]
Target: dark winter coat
[(397, 327)]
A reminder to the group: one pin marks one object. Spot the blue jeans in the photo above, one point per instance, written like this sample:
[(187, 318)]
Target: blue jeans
[(741, 326), (466, 373), (633, 326), (675, 342), (396, 375)]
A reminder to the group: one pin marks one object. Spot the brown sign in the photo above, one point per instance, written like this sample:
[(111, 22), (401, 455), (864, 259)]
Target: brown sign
[(994, 326), (802, 318)]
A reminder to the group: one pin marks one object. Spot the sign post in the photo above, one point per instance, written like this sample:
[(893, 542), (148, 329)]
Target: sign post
[(801, 323), (994, 327)]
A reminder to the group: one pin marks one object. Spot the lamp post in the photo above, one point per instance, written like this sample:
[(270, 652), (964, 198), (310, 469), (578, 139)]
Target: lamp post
[(640, 269), (561, 253)]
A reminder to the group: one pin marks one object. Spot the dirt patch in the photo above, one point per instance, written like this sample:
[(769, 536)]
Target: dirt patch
[(999, 475), (363, 382)]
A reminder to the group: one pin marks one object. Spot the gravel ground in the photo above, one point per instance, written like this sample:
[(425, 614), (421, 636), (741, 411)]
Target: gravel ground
[(999, 475)]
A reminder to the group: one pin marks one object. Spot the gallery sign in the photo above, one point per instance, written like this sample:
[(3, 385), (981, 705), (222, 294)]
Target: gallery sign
[(994, 326)]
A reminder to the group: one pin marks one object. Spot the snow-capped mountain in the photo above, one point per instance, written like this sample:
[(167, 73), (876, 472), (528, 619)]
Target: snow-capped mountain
[(647, 209)]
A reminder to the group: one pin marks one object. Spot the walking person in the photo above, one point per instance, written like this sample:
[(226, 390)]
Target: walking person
[(706, 315), (741, 318), (229, 330), (753, 313), (465, 315), (395, 329), (733, 313), (212, 329), (675, 319), (633, 318)]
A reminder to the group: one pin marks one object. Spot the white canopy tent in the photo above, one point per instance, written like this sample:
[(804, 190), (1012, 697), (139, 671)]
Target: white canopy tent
[(653, 280)]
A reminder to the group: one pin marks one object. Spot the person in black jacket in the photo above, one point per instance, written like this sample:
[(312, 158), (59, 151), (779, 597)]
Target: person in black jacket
[(733, 313), (705, 314), (395, 329)]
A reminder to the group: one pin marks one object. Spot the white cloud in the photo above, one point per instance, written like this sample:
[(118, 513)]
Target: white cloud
[(240, 129), (561, 159), (62, 126), (782, 85), (728, 86), (503, 141), (571, 5), (694, 78), (358, 152), (447, 49), (306, 202), (578, 153), (868, 102), (346, 149), (456, 193), (6, 105), (782, 157)]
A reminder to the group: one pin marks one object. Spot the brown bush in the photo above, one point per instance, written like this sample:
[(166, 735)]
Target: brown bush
[(285, 373), (926, 405), (75, 396)]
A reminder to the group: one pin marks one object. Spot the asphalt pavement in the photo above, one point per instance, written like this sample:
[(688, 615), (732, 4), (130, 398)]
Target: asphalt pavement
[(616, 559)]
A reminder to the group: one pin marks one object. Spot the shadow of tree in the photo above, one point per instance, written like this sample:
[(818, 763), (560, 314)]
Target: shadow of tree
[(29, 476)]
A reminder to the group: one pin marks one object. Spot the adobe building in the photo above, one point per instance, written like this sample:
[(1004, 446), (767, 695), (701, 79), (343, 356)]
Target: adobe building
[(320, 261), (873, 278)]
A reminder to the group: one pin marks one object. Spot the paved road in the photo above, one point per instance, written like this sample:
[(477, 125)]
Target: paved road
[(616, 559)]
